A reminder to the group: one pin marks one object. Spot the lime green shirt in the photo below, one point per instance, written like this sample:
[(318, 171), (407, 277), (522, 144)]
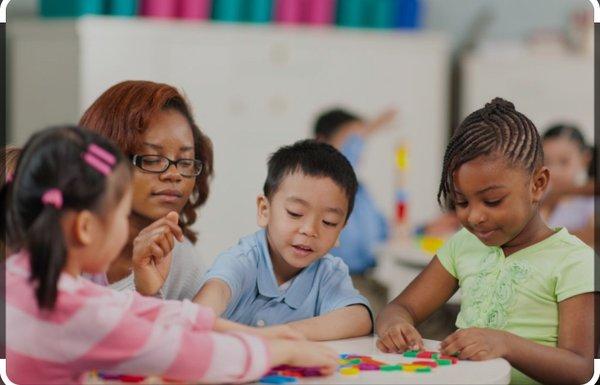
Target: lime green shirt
[(519, 293)]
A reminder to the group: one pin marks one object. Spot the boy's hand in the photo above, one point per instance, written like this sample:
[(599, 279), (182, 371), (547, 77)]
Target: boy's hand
[(280, 331), (400, 337), (151, 259), (476, 344)]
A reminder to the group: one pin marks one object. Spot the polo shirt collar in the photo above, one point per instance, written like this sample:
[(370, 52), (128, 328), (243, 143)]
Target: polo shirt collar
[(298, 291)]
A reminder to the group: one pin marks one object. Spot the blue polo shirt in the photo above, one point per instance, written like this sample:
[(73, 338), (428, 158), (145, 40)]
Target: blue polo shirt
[(257, 299)]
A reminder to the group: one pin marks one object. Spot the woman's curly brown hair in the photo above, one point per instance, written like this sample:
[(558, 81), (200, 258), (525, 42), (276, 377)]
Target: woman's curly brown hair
[(124, 111)]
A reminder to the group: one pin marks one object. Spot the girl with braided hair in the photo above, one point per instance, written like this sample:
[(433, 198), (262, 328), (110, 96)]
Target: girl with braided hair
[(527, 289)]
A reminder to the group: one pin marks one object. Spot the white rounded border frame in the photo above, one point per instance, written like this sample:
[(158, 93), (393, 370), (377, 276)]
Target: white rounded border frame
[(4, 376)]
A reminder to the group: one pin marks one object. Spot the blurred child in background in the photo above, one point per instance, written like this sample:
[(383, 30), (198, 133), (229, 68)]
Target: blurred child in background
[(367, 226), (569, 160)]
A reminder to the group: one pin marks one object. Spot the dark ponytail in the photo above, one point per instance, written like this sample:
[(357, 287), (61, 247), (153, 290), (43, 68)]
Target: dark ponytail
[(56, 161), (47, 253)]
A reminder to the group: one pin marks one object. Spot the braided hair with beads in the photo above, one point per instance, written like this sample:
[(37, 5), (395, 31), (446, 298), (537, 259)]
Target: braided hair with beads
[(496, 128)]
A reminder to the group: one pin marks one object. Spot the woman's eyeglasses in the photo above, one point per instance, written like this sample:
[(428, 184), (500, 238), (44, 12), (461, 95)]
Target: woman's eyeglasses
[(158, 164)]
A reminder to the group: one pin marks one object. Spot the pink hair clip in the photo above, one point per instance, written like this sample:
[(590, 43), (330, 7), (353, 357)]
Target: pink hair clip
[(53, 197), (100, 159)]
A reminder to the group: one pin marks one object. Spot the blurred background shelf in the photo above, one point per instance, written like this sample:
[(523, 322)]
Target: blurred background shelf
[(548, 85), (253, 88)]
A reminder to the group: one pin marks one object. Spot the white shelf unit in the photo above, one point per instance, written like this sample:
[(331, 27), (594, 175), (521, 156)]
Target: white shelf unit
[(548, 87), (253, 89)]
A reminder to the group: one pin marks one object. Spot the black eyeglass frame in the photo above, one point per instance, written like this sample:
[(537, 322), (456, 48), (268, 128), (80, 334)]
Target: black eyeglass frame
[(137, 159)]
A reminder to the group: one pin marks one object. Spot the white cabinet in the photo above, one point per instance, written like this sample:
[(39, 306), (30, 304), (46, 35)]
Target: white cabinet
[(252, 88), (548, 87)]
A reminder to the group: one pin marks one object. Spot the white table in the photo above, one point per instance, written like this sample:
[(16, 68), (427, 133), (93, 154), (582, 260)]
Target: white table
[(496, 371)]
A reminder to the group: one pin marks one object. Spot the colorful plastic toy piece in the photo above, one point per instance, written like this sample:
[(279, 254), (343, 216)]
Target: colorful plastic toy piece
[(411, 353), (424, 354), (390, 368), (451, 358), (411, 367), (425, 369), (278, 380), (431, 364), (349, 371), (443, 362)]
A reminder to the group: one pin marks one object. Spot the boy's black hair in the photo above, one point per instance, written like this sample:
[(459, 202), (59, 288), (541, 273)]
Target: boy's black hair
[(330, 122), (571, 132), (497, 127), (315, 159), (53, 159)]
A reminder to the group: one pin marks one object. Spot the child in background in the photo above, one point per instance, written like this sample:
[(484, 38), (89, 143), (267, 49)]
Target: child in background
[(68, 208), (366, 227), (568, 158), (527, 290), (284, 274)]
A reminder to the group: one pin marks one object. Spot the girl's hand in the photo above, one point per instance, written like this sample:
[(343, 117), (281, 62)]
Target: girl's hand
[(476, 344), (152, 256), (303, 354), (400, 337), (280, 331)]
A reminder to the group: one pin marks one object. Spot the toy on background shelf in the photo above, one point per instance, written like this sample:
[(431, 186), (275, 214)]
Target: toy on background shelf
[(71, 8), (430, 244), (194, 9), (320, 12), (352, 13), (401, 197), (409, 14), (259, 11), (380, 14), (122, 7), (166, 9), (315, 12), (288, 11), (383, 13), (228, 10)]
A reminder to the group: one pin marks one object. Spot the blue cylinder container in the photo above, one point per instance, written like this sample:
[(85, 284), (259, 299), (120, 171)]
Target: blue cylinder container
[(260, 11), (71, 8), (123, 7), (353, 13), (409, 14), (228, 10)]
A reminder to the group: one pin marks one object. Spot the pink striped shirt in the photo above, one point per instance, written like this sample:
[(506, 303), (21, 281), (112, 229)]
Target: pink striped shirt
[(93, 327)]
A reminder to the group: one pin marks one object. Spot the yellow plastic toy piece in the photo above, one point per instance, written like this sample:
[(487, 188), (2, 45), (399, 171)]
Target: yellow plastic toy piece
[(411, 367), (349, 371)]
